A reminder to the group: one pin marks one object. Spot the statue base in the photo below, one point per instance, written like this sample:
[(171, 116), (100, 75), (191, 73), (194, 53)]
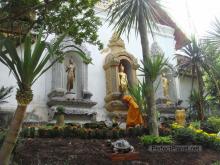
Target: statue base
[(70, 95), (167, 108), (76, 110), (113, 102)]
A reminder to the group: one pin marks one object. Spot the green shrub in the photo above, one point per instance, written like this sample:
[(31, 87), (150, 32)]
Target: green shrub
[(60, 109), (214, 122), (216, 163), (115, 133), (195, 124), (2, 137), (164, 131), (92, 134), (204, 140), (68, 131), (81, 132), (183, 135), (24, 132), (216, 144), (32, 132), (150, 139), (122, 133), (95, 125)]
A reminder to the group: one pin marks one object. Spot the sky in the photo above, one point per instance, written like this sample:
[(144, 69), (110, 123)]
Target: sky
[(193, 16)]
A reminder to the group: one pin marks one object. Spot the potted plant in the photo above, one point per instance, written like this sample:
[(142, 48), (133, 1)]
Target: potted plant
[(60, 115)]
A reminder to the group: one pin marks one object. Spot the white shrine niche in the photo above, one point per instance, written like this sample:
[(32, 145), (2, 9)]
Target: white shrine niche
[(79, 107), (59, 74), (170, 75)]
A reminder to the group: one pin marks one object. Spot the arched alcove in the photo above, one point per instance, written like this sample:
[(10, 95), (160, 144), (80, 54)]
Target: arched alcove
[(128, 70), (115, 56), (59, 74), (169, 74)]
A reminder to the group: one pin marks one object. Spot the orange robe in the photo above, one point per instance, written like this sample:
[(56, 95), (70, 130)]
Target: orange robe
[(134, 116)]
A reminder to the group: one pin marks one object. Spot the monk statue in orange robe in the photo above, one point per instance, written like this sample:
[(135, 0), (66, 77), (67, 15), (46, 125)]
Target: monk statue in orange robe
[(134, 117)]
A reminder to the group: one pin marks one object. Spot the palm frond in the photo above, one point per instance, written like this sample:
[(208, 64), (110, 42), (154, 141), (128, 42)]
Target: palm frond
[(28, 67), (153, 67), (125, 14), (5, 93), (213, 36)]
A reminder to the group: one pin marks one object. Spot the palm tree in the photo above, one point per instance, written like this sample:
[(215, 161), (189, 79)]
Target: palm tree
[(142, 15), (195, 64), (4, 94), (153, 67), (26, 69), (213, 36)]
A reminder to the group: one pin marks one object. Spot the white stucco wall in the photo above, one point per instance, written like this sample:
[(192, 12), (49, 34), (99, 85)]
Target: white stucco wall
[(96, 74)]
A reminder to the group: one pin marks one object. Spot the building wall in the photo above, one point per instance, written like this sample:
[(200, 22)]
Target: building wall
[(96, 74), (185, 89)]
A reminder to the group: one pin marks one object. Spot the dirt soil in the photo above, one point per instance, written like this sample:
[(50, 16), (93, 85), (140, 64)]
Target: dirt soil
[(60, 151)]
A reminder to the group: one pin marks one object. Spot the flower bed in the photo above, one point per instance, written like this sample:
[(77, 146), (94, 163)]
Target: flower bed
[(80, 132), (191, 135), (76, 131)]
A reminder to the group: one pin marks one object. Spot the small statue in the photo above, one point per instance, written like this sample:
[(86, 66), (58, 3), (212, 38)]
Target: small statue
[(70, 69), (165, 85), (123, 81), (134, 117)]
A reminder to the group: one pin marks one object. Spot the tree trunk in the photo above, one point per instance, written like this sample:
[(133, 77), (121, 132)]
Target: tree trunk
[(11, 137), (201, 100), (150, 98)]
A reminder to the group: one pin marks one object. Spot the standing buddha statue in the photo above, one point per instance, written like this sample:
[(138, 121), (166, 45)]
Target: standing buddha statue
[(123, 81), (70, 69)]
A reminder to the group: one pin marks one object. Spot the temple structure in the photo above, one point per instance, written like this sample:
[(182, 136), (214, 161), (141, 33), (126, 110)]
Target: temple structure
[(96, 94)]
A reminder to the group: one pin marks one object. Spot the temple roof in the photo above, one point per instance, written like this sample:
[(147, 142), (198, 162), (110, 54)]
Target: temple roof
[(179, 36)]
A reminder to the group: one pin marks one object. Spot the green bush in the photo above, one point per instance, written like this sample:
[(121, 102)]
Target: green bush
[(60, 109), (2, 137), (183, 135), (32, 132), (68, 131), (24, 132), (115, 134), (216, 144), (214, 122), (150, 139), (195, 124), (196, 136), (95, 125), (204, 140), (216, 163)]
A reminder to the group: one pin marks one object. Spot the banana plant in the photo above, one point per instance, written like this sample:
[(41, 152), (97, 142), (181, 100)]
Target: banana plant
[(27, 68)]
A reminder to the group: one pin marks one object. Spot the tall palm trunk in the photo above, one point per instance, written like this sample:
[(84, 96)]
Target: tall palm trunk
[(11, 138), (24, 96), (201, 101), (150, 97)]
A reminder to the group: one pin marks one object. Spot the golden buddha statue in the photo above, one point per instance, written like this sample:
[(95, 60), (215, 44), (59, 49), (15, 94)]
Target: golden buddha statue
[(165, 85), (70, 69), (123, 81)]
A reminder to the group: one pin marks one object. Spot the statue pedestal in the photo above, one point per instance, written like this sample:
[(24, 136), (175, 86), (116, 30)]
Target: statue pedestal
[(114, 102), (70, 96), (167, 108), (75, 110)]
